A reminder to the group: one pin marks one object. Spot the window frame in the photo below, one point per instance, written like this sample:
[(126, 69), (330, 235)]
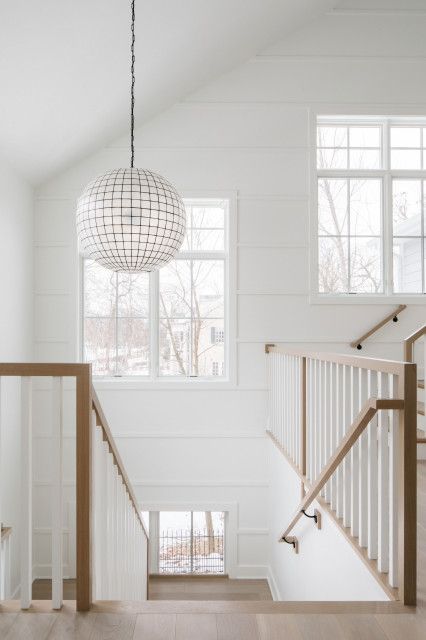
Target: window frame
[(387, 175), (154, 379)]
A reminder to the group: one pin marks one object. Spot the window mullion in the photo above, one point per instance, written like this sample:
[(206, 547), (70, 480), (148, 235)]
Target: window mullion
[(154, 323), (387, 233)]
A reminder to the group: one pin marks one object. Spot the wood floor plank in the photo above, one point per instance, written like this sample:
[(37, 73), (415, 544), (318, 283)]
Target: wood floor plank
[(72, 626), (155, 626), (6, 621), (237, 626), (31, 626), (278, 627), (409, 627), (360, 627), (113, 626), (319, 627), (194, 626)]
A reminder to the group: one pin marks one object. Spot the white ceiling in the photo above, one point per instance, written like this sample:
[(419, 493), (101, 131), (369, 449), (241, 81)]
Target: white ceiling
[(64, 65)]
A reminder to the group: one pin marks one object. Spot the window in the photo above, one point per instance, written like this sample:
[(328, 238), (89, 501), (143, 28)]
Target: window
[(190, 542), (172, 322), (371, 183)]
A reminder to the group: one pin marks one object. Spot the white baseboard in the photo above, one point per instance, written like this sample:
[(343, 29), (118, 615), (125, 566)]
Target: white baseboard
[(273, 586), (251, 571)]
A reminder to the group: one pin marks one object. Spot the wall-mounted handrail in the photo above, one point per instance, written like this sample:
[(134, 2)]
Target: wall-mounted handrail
[(357, 344), (364, 417), (103, 423), (409, 343)]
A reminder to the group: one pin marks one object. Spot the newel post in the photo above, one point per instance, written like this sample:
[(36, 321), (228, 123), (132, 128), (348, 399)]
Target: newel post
[(83, 489), (407, 485)]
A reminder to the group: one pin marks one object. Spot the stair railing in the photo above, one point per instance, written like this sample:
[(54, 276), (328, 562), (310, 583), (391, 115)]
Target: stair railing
[(393, 316), (108, 519), (409, 346), (346, 424), (120, 549)]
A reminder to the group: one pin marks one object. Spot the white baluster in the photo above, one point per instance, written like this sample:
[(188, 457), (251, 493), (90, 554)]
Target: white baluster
[(26, 493), (372, 473), (57, 535), (339, 413), (2, 567), (355, 457), (363, 465), (347, 467), (393, 486), (383, 479), (333, 430)]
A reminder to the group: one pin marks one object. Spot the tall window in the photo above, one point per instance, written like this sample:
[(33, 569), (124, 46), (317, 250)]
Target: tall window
[(371, 183), (172, 322)]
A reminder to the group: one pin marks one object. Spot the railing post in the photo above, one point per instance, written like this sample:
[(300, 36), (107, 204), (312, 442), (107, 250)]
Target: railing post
[(26, 493), (83, 490), (57, 435), (407, 485), (303, 400)]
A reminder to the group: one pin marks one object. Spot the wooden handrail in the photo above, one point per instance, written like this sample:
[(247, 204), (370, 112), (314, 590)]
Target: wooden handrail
[(360, 423), (373, 364), (108, 437), (409, 343), (357, 344)]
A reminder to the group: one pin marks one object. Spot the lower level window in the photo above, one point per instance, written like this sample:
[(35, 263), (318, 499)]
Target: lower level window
[(172, 322)]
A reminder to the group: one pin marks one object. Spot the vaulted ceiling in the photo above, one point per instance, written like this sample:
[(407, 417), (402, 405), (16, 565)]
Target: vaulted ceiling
[(64, 65)]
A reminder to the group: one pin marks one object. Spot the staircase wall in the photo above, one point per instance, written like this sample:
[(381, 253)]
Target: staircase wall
[(326, 567)]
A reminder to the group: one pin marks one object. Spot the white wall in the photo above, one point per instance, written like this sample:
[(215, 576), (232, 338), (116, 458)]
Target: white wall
[(246, 133), (325, 568), (16, 336)]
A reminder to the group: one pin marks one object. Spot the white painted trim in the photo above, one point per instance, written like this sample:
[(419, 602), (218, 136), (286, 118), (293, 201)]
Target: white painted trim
[(172, 483), (273, 586), (172, 435), (356, 299)]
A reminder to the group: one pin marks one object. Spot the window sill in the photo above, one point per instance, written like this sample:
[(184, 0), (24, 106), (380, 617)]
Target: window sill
[(149, 384), (416, 299)]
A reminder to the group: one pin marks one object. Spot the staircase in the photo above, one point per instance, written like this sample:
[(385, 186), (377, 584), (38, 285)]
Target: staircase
[(347, 427)]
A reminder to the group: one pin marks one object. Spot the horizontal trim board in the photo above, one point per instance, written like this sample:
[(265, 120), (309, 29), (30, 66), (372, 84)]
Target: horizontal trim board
[(171, 435), (270, 245), (252, 292)]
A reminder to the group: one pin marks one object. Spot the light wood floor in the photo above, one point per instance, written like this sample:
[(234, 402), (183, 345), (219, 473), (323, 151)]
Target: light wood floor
[(214, 620)]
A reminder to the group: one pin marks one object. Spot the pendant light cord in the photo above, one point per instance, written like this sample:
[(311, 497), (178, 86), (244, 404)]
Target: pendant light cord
[(132, 90)]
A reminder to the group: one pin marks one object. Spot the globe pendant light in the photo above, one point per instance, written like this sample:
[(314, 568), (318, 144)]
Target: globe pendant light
[(131, 220)]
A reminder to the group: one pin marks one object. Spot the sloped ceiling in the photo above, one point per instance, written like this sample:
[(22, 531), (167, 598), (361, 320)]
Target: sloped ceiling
[(64, 65)]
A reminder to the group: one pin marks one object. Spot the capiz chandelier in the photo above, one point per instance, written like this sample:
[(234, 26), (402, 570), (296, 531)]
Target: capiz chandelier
[(131, 220)]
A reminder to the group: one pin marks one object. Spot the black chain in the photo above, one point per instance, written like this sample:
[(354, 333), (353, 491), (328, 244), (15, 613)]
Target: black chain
[(132, 99)]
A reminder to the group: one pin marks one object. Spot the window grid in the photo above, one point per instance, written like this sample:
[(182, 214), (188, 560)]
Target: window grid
[(387, 174), (154, 315)]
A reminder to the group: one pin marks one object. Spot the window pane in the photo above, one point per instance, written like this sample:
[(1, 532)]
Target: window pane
[(332, 207), (175, 339), (364, 159), (208, 240), (364, 137), (133, 346), (332, 136), (133, 295), (405, 137), (366, 265), (208, 288), (208, 217), (175, 289), (407, 265), (333, 265), (99, 290), (99, 345), (365, 207), (405, 159), (208, 347), (332, 159), (406, 207)]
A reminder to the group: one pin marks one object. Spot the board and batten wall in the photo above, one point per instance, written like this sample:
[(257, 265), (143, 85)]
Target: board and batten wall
[(249, 133), (16, 340)]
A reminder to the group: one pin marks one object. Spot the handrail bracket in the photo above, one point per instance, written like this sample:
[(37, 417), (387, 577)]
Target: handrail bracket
[(316, 517), (291, 540)]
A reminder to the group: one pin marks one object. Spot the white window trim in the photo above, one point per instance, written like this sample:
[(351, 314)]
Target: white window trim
[(179, 382), (400, 115)]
